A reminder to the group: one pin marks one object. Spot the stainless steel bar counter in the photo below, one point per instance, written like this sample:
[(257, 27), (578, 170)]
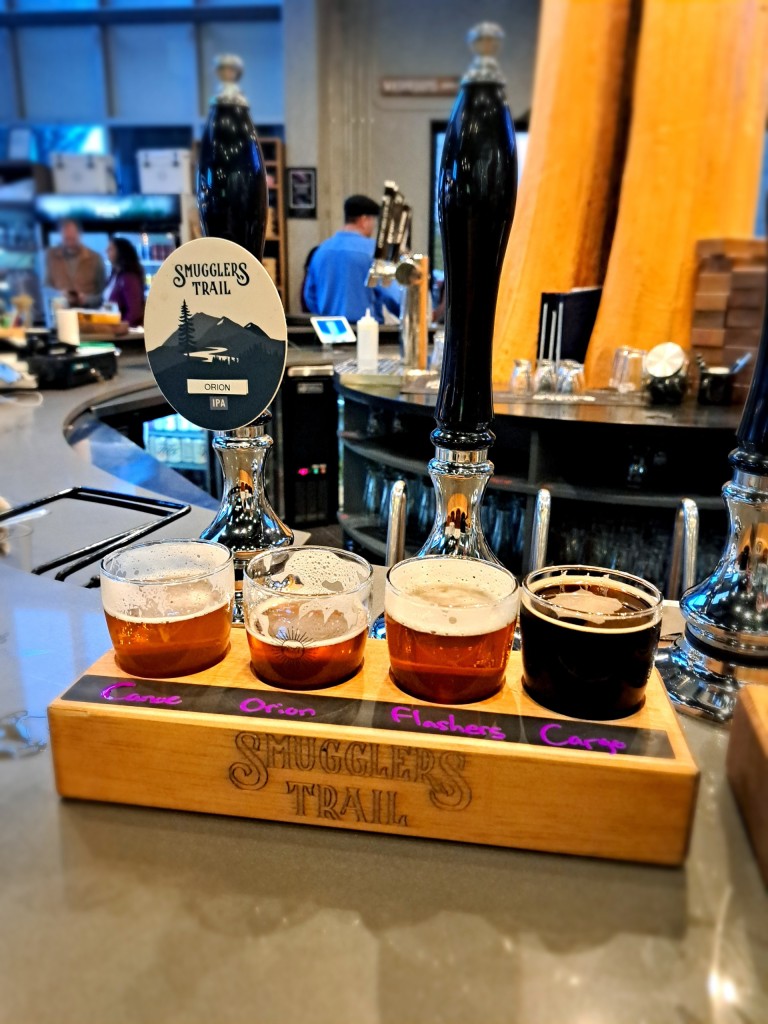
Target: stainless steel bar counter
[(124, 914)]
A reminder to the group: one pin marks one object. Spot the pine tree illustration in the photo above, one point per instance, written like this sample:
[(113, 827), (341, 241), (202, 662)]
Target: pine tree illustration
[(186, 330)]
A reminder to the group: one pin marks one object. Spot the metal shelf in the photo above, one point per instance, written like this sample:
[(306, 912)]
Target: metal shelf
[(558, 489)]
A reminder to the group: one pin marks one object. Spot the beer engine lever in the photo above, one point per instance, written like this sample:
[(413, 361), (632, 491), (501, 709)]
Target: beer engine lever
[(477, 190)]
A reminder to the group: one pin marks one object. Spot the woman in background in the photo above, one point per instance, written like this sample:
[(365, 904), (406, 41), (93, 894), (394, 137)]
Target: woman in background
[(126, 285)]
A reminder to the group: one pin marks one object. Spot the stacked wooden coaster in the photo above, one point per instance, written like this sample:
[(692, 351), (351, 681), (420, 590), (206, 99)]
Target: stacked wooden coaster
[(728, 304)]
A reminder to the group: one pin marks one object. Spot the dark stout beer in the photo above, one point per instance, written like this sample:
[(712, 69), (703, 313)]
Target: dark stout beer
[(450, 624), (588, 641)]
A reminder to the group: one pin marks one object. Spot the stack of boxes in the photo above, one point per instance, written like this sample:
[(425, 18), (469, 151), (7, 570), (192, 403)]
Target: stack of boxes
[(728, 305)]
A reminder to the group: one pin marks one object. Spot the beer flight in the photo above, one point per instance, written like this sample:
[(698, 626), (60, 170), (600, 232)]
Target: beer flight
[(589, 635)]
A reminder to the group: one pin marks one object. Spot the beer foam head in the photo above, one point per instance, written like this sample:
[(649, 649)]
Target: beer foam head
[(167, 580), (316, 594), (309, 571), (451, 596), (592, 598)]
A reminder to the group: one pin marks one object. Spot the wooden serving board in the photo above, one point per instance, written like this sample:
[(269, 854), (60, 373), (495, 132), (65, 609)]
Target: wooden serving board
[(747, 767), (363, 755)]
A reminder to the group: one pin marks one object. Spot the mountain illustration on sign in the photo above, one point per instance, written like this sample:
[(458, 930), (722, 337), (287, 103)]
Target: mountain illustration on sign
[(211, 348)]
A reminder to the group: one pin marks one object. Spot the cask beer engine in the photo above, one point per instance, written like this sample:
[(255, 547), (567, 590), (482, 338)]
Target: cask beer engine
[(233, 204), (725, 643), (477, 190), (391, 262)]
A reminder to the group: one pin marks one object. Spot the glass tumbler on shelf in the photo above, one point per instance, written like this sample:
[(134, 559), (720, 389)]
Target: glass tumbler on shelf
[(617, 366), (570, 378), (488, 514), (545, 377), (504, 533), (306, 615), (521, 380), (427, 509), (372, 490), (629, 370), (387, 482)]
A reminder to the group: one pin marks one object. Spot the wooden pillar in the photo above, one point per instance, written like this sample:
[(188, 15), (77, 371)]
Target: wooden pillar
[(572, 167), (692, 169)]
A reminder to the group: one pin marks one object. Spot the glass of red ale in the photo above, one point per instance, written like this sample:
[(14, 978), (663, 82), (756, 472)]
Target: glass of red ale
[(450, 625), (589, 638), (168, 605), (306, 615)]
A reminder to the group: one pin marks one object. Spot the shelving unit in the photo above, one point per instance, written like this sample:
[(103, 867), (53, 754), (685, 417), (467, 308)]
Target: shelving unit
[(275, 256), (598, 514)]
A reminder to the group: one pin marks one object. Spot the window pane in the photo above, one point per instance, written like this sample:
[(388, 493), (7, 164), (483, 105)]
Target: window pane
[(55, 5), (8, 110), (62, 74), (153, 73), (144, 4)]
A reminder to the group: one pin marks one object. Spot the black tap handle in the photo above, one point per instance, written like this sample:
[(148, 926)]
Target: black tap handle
[(752, 435), (232, 195), (477, 190)]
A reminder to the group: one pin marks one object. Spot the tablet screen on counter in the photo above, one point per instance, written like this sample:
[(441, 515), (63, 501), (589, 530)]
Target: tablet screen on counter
[(332, 330)]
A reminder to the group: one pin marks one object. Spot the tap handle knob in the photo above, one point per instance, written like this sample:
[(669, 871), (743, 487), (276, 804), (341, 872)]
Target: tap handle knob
[(485, 41), (229, 71)]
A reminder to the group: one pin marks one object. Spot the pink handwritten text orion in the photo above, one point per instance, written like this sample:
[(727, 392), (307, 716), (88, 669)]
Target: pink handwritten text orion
[(256, 706)]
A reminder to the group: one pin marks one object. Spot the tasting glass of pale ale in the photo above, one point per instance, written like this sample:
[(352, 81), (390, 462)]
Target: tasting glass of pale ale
[(168, 605), (450, 626), (306, 615), (589, 637)]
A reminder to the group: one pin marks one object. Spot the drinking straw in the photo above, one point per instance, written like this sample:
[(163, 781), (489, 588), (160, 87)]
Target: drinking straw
[(552, 336), (542, 331)]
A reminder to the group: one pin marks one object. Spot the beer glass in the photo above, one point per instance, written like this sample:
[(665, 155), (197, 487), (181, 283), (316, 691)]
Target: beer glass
[(450, 624), (520, 382), (306, 615), (589, 637), (168, 605)]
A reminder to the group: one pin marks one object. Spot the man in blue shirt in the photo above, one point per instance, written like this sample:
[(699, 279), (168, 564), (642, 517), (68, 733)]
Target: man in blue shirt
[(335, 284)]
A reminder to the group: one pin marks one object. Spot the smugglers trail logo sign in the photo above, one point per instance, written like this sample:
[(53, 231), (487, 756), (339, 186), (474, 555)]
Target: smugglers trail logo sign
[(215, 334)]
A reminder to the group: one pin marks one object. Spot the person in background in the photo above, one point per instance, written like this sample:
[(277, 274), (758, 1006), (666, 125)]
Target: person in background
[(126, 284), (73, 269), (304, 307), (335, 282)]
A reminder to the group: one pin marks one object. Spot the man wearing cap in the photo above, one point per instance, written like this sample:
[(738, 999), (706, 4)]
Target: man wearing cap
[(335, 283)]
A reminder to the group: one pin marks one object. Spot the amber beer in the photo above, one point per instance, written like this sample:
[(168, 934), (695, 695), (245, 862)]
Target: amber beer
[(589, 637), (299, 653), (450, 625), (306, 616), (168, 606)]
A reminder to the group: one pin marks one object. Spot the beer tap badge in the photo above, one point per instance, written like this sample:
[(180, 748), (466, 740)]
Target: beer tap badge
[(215, 334)]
